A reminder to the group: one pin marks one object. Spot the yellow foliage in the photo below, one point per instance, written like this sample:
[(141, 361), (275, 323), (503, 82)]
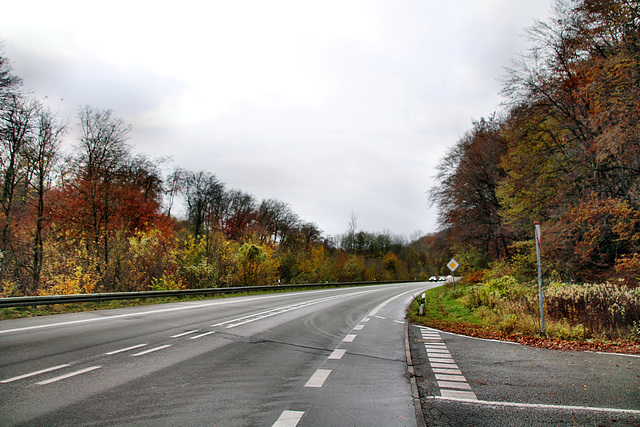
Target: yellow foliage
[(8, 289), (79, 281)]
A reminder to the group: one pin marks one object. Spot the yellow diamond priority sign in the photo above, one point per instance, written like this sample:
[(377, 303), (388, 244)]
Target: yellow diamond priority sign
[(453, 264)]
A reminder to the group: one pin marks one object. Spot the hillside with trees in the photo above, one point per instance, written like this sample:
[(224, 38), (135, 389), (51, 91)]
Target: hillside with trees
[(98, 218), (565, 151)]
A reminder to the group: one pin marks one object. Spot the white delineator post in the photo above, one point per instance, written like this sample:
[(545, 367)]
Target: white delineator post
[(536, 225)]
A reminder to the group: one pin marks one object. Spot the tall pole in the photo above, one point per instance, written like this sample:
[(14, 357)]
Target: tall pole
[(536, 225)]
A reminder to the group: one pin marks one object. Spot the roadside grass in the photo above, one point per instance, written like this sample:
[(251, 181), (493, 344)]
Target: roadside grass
[(505, 310)]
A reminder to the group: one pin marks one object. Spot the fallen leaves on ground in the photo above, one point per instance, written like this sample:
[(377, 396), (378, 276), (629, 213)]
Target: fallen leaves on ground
[(622, 346)]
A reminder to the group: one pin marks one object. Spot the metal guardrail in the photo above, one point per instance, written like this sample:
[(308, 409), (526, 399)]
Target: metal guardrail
[(113, 296)]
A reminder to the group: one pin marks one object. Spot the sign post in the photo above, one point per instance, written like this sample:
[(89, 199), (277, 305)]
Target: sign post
[(536, 225), (452, 265)]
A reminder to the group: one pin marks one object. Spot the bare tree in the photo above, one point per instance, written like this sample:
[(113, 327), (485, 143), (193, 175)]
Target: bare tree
[(241, 213), (102, 152), (277, 219), (9, 83), (41, 156), (174, 185), (203, 192), (17, 120)]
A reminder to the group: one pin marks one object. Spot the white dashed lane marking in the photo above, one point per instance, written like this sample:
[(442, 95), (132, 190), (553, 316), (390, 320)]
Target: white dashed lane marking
[(33, 374), (185, 333), (349, 338), (202, 335), (151, 350), (69, 375), (337, 354), (122, 350), (289, 419), (317, 380)]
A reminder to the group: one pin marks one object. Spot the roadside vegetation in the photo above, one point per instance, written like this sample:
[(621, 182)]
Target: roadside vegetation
[(90, 215), (564, 151), (585, 317), (82, 212)]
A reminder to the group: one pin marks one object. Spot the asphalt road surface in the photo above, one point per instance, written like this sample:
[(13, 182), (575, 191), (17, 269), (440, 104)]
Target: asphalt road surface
[(332, 357), (465, 381)]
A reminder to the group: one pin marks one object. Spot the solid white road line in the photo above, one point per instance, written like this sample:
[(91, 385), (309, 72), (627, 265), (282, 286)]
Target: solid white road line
[(542, 406), (69, 375), (151, 350), (150, 312), (378, 308), (185, 333), (337, 353), (279, 310), (289, 419), (317, 380), (124, 316), (202, 335), (33, 374), (612, 354), (133, 347)]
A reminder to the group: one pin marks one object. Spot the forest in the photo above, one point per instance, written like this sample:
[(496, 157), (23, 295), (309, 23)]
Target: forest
[(564, 150), (90, 215), (95, 217)]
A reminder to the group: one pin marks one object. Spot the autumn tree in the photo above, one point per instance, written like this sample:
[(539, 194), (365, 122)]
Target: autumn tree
[(573, 126), (575, 100), (102, 151), (240, 214), (466, 191), (277, 219)]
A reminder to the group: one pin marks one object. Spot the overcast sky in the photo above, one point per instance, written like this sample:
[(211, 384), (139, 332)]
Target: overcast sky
[(335, 107)]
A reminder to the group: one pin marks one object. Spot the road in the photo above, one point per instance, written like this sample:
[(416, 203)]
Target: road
[(323, 357), (333, 357), (465, 381)]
